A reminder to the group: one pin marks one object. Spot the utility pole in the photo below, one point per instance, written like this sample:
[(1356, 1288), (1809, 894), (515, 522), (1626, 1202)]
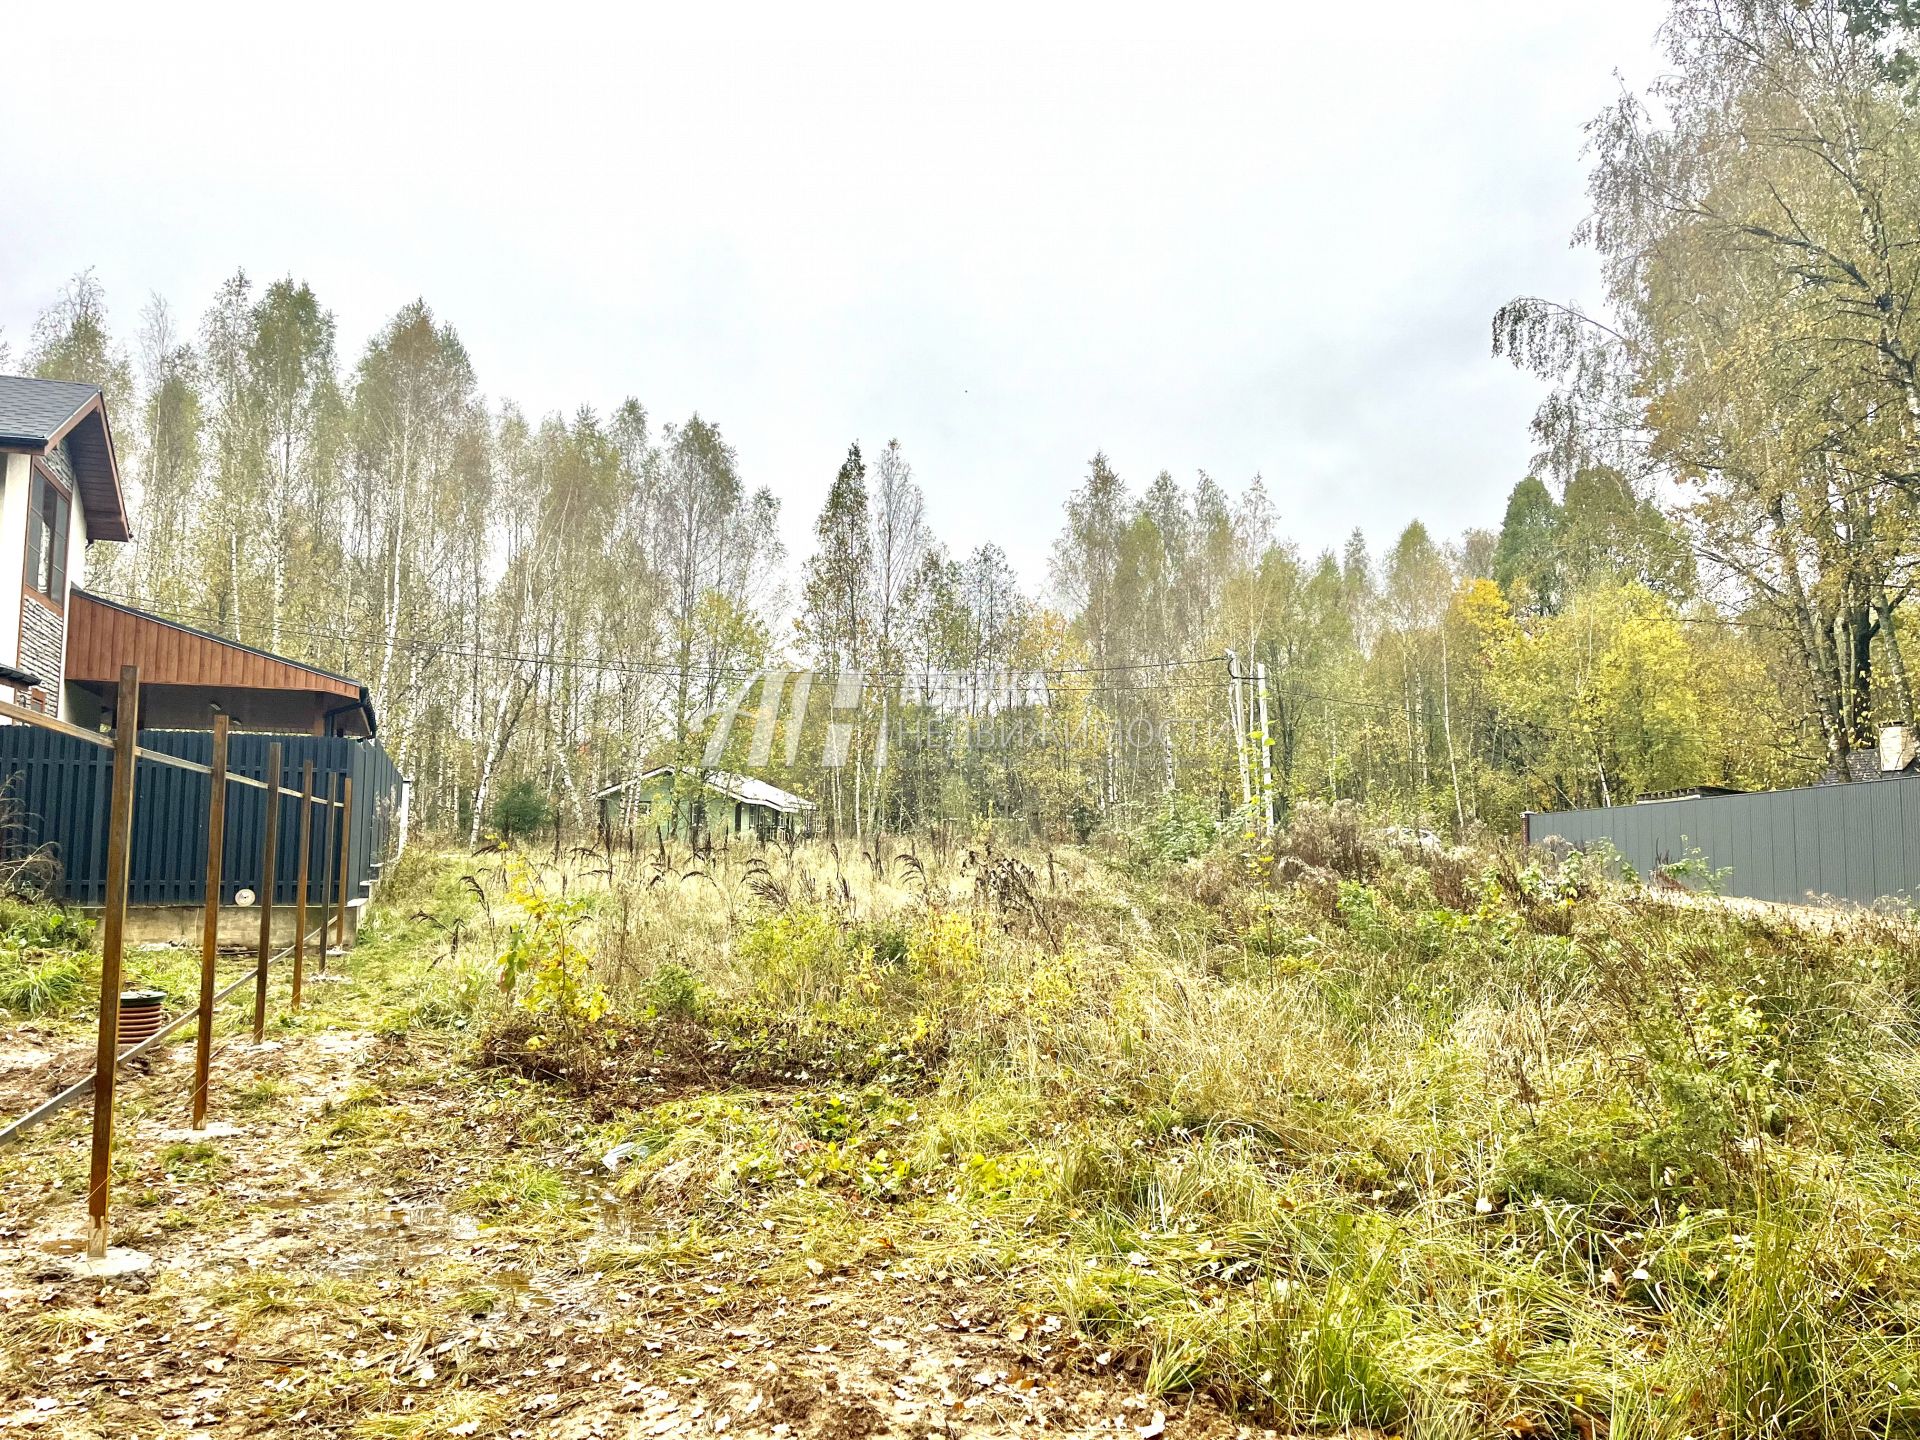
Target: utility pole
[(1266, 744)]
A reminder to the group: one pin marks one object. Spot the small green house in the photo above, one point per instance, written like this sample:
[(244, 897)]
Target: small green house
[(685, 802)]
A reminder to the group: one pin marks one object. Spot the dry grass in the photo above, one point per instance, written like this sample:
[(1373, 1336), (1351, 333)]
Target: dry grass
[(1347, 1133)]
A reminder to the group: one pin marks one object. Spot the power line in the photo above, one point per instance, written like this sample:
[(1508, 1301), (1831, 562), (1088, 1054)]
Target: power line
[(419, 645), (604, 665)]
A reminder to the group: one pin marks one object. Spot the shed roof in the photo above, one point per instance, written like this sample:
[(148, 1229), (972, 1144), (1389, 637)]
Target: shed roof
[(36, 415), (744, 788), (103, 635)]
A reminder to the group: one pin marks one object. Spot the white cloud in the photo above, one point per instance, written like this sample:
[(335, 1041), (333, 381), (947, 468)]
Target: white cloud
[(1222, 237)]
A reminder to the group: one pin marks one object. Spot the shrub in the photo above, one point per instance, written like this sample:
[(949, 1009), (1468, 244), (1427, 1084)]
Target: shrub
[(1330, 837), (40, 985), (799, 958), (675, 992), (520, 809), (1184, 831), (544, 950)]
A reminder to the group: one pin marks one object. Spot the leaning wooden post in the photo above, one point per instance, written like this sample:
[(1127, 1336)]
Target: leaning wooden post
[(326, 870), (113, 925), (300, 880), (210, 922), (269, 877), (346, 854)]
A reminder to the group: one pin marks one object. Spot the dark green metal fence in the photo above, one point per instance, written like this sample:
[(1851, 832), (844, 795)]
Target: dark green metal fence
[(58, 789), (1857, 842)]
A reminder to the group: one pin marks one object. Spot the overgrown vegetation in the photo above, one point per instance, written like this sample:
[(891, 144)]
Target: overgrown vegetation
[(50, 965), (1349, 1129), (1352, 1129)]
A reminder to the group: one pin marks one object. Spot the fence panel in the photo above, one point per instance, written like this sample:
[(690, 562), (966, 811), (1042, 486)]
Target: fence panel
[(1858, 842), (60, 786)]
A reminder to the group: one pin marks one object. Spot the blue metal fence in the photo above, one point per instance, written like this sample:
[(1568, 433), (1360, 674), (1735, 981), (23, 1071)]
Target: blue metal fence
[(59, 786)]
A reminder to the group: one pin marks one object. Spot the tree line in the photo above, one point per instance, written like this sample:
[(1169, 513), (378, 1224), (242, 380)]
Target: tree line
[(1705, 579)]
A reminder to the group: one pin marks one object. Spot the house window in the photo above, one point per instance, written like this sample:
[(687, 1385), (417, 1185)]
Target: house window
[(48, 511)]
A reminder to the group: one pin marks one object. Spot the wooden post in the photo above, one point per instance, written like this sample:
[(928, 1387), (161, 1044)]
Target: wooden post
[(300, 880), (210, 923), (346, 854), (326, 871), (269, 874), (113, 924)]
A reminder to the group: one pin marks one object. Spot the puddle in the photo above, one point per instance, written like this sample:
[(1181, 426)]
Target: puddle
[(302, 1199), (409, 1217), (615, 1218)]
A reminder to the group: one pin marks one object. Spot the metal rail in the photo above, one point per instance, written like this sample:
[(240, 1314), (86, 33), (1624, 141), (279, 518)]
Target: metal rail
[(108, 1057), (159, 757), (84, 1087)]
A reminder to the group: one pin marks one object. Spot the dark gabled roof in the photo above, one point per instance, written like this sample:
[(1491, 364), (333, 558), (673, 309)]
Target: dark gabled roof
[(38, 412), (1863, 764), (36, 415)]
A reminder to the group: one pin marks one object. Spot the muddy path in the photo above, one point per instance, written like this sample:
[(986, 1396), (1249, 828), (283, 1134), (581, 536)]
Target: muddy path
[(380, 1248)]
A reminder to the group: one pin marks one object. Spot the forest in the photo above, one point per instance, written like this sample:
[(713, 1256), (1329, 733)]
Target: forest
[(1704, 580)]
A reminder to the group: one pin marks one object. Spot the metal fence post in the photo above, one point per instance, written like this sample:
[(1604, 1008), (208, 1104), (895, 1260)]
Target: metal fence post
[(113, 924), (269, 876), (300, 881), (210, 925), (326, 870), (346, 854)]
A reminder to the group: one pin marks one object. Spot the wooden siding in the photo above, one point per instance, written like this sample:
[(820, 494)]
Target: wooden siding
[(102, 637)]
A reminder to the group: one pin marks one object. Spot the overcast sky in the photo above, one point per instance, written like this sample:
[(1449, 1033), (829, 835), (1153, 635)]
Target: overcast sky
[(1237, 239)]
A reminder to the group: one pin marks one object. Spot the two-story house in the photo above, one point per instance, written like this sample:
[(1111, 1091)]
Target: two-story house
[(59, 492), (61, 648)]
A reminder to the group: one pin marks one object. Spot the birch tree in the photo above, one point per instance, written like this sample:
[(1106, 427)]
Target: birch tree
[(1758, 218), (416, 433), (291, 372)]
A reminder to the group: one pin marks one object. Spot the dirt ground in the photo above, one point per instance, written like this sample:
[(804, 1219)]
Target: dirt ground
[(327, 1271)]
